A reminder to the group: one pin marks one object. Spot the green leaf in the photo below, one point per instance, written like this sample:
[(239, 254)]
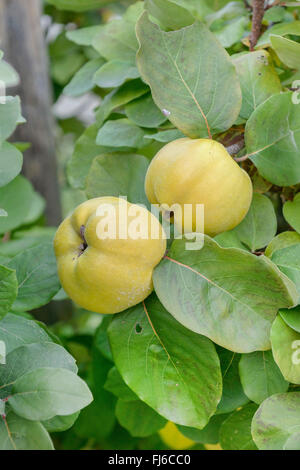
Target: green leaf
[(260, 224), (281, 29), (33, 356), (282, 240), (60, 423), (144, 112), (286, 350), (123, 95), (258, 79), (288, 261), (79, 5), (118, 175), (230, 239), (21, 434), (83, 80), (183, 71), (233, 296), (233, 395), (116, 385), (291, 316), (231, 32), (120, 133), (8, 74), (84, 36), (235, 432), (10, 112), (261, 376), (272, 139), (16, 331), (16, 199), (288, 51), (276, 422), (138, 418), (175, 371), (168, 14), (166, 136), (207, 435), (47, 392), (8, 289), (114, 73), (117, 39), (85, 151), (37, 277), (291, 212)]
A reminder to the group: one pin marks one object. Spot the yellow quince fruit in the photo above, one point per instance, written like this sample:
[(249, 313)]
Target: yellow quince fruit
[(173, 438), (106, 252), (200, 171)]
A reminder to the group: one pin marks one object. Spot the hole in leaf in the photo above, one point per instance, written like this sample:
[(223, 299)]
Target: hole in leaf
[(138, 328)]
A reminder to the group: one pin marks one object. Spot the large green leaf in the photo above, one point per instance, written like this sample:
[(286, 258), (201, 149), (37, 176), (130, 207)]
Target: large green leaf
[(235, 432), (16, 331), (288, 261), (258, 79), (46, 392), (37, 277), (138, 418), (273, 139), (33, 356), (227, 294), (260, 224), (187, 71), (79, 5), (117, 39), (233, 395), (261, 376), (10, 163), (277, 422), (288, 51), (291, 212), (118, 175), (8, 289), (20, 434), (10, 113), (172, 369), (286, 350), (16, 199)]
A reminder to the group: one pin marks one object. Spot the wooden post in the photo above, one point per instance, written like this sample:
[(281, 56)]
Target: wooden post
[(21, 39)]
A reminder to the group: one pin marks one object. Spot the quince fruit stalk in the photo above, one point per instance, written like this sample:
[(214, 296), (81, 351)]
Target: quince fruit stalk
[(200, 171), (106, 254)]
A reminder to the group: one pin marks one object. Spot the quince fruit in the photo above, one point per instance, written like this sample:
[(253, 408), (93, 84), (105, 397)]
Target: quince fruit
[(106, 252), (173, 438), (200, 171)]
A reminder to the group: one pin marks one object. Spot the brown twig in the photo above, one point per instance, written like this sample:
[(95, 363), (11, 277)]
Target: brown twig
[(257, 17), (235, 145)]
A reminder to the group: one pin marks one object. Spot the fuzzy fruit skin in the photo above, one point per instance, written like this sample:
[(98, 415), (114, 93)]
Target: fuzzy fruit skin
[(200, 171), (111, 275)]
